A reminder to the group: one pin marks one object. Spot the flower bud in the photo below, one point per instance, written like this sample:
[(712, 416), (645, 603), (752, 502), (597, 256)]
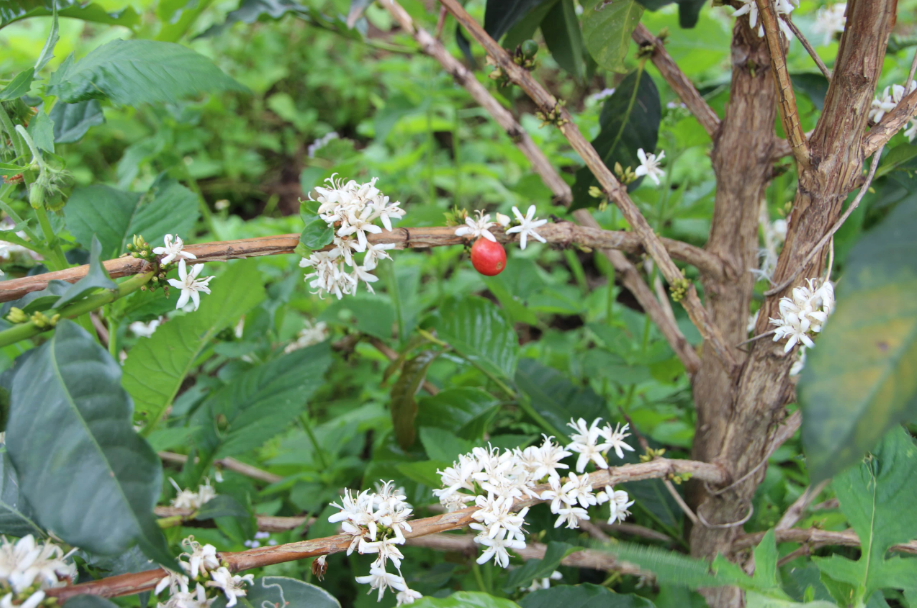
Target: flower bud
[(16, 315), (36, 196), (529, 48)]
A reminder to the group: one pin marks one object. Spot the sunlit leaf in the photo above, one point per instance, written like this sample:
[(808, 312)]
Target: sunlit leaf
[(607, 28)]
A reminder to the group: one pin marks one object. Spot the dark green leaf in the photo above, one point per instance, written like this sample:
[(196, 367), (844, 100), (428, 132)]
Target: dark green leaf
[(68, 399), (72, 120), (477, 329), (285, 592), (814, 85), (18, 86), (565, 41), (582, 596), (689, 12), (424, 472), (629, 121), (555, 398), (317, 234), (222, 506), (465, 599), (525, 28), (16, 516), (96, 278), (369, 314), (12, 11), (464, 411), (859, 382), (115, 216), (132, 72), (89, 601), (404, 392), (41, 129), (443, 445), (520, 578), (465, 46), (607, 28), (156, 367), (260, 402), (671, 567), (501, 15)]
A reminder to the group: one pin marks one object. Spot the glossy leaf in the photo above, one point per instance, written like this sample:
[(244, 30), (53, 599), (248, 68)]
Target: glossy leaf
[(404, 393), (501, 15), (16, 516), (68, 398), (877, 497), (520, 578), (525, 28), (464, 411), (607, 28), (18, 86), (555, 398), (96, 278), (465, 599), (73, 120), (221, 506), (477, 329), (562, 34), (11, 11), (582, 596), (283, 591), (629, 121), (443, 445), (369, 314), (156, 367), (317, 234), (132, 72), (115, 216), (858, 381)]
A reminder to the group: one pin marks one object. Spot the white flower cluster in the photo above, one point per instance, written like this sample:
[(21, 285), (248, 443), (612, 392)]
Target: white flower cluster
[(187, 282), (26, 563), (807, 311), (649, 165), (312, 333), (201, 567), (783, 7), (350, 209), (886, 102), (544, 583), (526, 226), (494, 480), (188, 499), (830, 20), (377, 522)]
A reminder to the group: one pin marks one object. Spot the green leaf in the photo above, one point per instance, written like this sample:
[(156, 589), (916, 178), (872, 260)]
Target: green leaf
[(859, 382), (443, 445), (814, 85), (12, 11), (424, 472), (222, 506), (38, 300), (404, 392), (89, 601), (368, 314), (47, 51), (18, 86), (582, 596), (68, 399), (317, 234), (156, 367), (765, 576), (96, 278), (261, 402), (756, 600), (464, 411), (607, 28), (283, 591), (668, 566), (115, 216), (16, 516), (877, 497), (520, 578), (477, 329), (8, 169), (688, 10), (41, 129), (629, 121), (524, 29), (555, 398), (465, 599), (501, 15), (561, 31), (132, 72), (73, 120)]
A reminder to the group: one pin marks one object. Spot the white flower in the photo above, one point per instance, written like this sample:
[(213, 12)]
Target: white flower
[(886, 102), (911, 131), (186, 499), (830, 20), (544, 583), (783, 7), (799, 363), (527, 226), (232, 586), (807, 311), (497, 518), (359, 223), (503, 220), (458, 477), (407, 597), (309, 335), (144, 330), (202, 560), (615, 438), (497, 549), (360, 273), (33, 601), (177, 583), (172, 250), (571, 516), (376, 252), (189, 284), (649, 163), (26, 562), (380, 579), (477, 228), (387, 550), (617, 501), (187, 599), (585, 442), (579, 489)]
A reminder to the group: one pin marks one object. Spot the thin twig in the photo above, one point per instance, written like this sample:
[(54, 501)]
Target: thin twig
[(391, 355), (266, 523), (817, 538), (635, 530), (230, 464), (128, 584), (758, 337), (805, 43), (895, 120), (837, 226), (799, 506), (441, 22)]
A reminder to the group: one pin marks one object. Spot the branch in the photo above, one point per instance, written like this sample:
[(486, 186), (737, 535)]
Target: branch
[(230, 464), (613, 189), (128, 584), (805, 43), (800, 505), (266, 523), (786, 98), (894, 121), (817, 538), (391, 355), (677, 80)]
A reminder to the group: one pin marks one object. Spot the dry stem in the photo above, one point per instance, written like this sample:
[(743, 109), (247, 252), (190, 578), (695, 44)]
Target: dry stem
[(228, 463)]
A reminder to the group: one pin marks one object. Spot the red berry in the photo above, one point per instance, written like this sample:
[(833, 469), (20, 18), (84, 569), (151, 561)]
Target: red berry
[(488, 258)]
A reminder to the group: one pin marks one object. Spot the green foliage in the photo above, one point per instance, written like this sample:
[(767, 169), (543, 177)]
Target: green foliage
[(16, 516), (285, 591), (477, 329), (607, 28), (89, 601), (73, 120), (582, 596), (91, 455), (858, 382), (465, 599), (404, 391), (555, 398), (11, 11), (96, 278), (562, 34), (18, 86), (502, 15), (538, 568)]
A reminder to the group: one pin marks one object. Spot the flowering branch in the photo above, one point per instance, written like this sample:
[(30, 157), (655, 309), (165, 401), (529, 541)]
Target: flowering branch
[(128, 584), (892, 122), (550, 106)]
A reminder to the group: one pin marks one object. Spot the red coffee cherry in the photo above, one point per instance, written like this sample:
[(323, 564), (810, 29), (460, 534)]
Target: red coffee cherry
[(487, 257)]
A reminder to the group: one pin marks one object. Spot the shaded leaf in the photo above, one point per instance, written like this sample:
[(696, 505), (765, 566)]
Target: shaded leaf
[(501, 15), (18, 86), (424, 472), (132, 72), (41, 129), (525, 28), (404, 392), (68, 399), (156, 367), (859, 382), (464, 411), (317, 234), (12, 11), (47, 51), (72, 120), (814, 85), (96, 278), (607, 28), (465, 599), (555, 398), (582, 596), (443, 445), (222, 506), (520, 578), (477, 329), (283, 591), (562, 34), (368, 314), (16, 516), (629, 121)]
